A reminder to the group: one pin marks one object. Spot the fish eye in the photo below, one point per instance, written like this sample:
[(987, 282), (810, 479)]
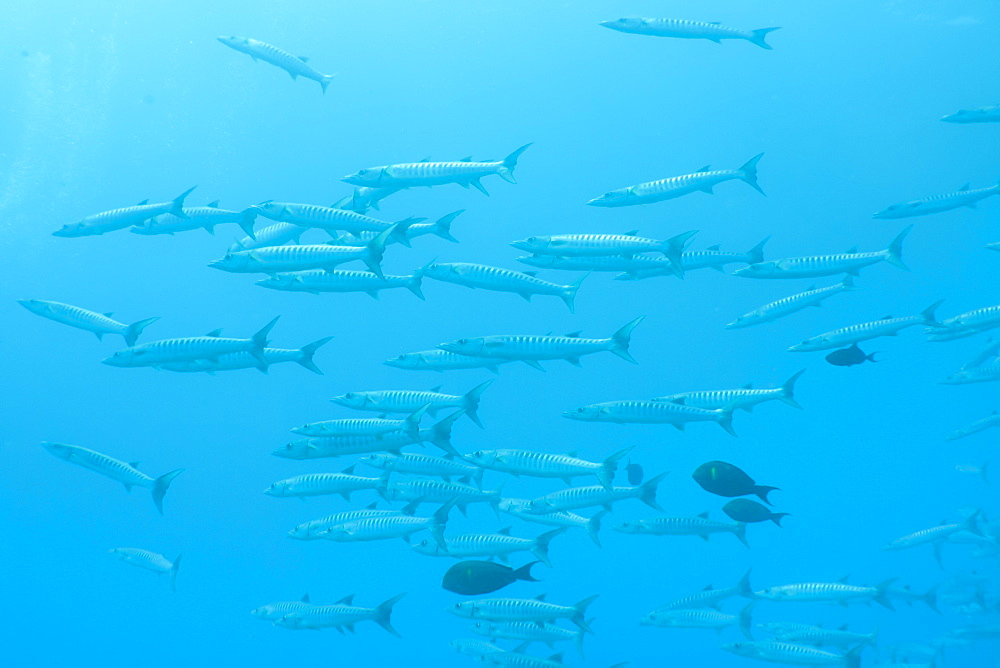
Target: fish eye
[(363, 171), (463, 341), (532, 240), (458, 606), (229, 256)]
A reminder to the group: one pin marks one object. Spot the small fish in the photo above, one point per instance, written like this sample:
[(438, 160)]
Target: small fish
[(420, 491), (390, 526), (746, 510), (341, 615), (782, 652), (703, 180), (465, 173), (274, 611), (817, 635), (115, 469), (745, 398), (408, 401), (725, 479), (980, 115), (471, 578), (700, 526), (710, 597), (634, 473), (992, 420), (596, 495), (362, 426), (476, 648), (938, 203), (522, 508), (935, 536), (119, 219), (296, 66), (679, 28), (792, 304), (982, 470), (851, 356), (98, 323), (545, 465), (150, 561)]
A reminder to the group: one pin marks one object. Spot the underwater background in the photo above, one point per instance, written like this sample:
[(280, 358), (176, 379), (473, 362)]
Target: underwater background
[(111, 103)]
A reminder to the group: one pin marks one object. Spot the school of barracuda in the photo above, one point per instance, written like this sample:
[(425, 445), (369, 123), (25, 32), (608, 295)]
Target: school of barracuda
[(411, 495)]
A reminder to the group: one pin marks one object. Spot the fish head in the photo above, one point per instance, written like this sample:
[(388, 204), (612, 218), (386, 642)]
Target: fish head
[(815, 343), (60, 450), (233, 261), (513, 505), (465, 609), (370, 176), (351, 400), (125, 358), (772, 594), (440, 270), (482, 628), (633, 526), (533, 244), (656, 618), (277, 489), (34, 305), (263, 612), (483, 457), (429, 547), (299, 449), (758, 270), (890, 212), (470, 347), (301, 532), (741, 648), (585, 413), (269, 209), (279, 281), (290, 621), (957, 378), (612, 198), (740, 322), (540, 261), (624, 24), (405, 361), (379, 460), (234, 41)]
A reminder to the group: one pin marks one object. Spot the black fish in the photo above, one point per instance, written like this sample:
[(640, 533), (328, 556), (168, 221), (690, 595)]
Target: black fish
[(634, 473), (481, 577), (746, 510), (728, 480), (850, 356)]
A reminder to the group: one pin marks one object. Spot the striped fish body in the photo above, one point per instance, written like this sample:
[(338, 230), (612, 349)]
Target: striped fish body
[(283, 259), (278, 234), (513, 610), (993, 420), (338, 280), (475, 648), (312, 530), (420, 174), (813, 266), (645, 412), (690, 261), (275, 611), (294, 65), (938, 203), (845, 336), (235, 361), (369, 198), (417, 464), (583, 245), (979, 374), (789, 305), (339, 446), (322, 217), (116, 219), (677, 186), (350, 427), (399, 401), (442, 360), (476, 545), (522, 508), (707, 598), (516, 347), (690, 619), (581, 497), (108, 467), (678, 28), (377, 528), (780, 628), (719, 399), (787, 653), (438, 491), (74, 316), (492, 278), (924, 536), (157, 353), (525, 632), (320, 484), (980, 319), (535, 464), (680, 526), (150, 561), (518, 660), (326, 616), (198, 217), (817, 635), (835, 592)]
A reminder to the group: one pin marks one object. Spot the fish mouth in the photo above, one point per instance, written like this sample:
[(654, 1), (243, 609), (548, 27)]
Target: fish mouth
[(520, 245), (597, 201)]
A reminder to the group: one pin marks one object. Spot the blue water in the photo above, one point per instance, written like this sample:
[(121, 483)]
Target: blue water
[(116, 102)]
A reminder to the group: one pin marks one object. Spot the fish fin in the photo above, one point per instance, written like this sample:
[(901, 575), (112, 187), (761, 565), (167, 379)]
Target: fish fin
[(757, 37)]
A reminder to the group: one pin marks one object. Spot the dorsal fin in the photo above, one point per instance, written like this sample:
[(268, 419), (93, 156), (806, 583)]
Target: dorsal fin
[(811, 288), (886, 317), (541, 597), (965, 187), (714, 247), (504, 532), (844, 579), (748, 386), (465, 480), (572, 453), (574, 335), (842, 627), (851, 250), (707, 588), (427, 159), (214, 205), (630, 233), (349, 470), (372, 505), (134, 464), (304, 59), (109, 314), (703, 169), (467, 158), (436, 388), (556, 658), (530, 273), (215, 333), (305, 598), (347, 600), (143, 202), (703, 515)]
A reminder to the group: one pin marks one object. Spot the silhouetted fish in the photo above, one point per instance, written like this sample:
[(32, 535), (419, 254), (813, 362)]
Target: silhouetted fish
[(728, 480), (481, 577), (746, 510), (850, 356), (634, 473)]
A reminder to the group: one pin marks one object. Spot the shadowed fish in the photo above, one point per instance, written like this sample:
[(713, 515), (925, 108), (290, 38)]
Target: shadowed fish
[(725, 479), (851, 356), (747, 510), (471, 578)]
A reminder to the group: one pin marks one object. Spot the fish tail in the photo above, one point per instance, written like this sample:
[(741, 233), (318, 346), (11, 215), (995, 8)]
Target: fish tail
[(606, 474), (853, 658), (524, 572), (928, 314), (133, 331), (741, 532), (620, 340), (673, 248), (415, 284), (971, 523), (569, 293), (383, 613), (882, 594), (307, 351), (725, 419), (441, 432), (249, 217), (578, 641), (930, 598), (177, 209), (439, 522), (758, 35), (471, 401), (325, 81), (442, 227), (746, 619), (412, 422), (400, 235), (506, 169), (743, 587), (647, 491), (894, 253), (848, 284), (580, 609), (776, 517), (763, 490), (173, 572), (376, 251), (594, 526), (756, 254), (788, 388), (160, 486), (260, 342), (541, 547), (748, 172)]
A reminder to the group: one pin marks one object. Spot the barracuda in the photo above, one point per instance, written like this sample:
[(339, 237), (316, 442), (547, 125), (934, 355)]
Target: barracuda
[(817, 635), (887, 326), (390, 526), (150, 561), (339, 280), (364, 199), (966, 324), (544, 465), (332, 219), (198, 217), (119, 219), (460, 494), (792, 304), (501, 280), (530, 348), (710, 258), (210, 347), (744, 398), (980, 374), (851, 262), (89, 321), (115, 469), (296, 66), (936, 536), (536, 610), (980, 115), (266, 237), (416, 464), (701, 619), (274, 611), (938, 203), (235, 361), (362, 426), (704, 180), (711, 598), (679, 28), (528, 633), (493, 546), (408, 401), (991, 420), (312, 530), (440, 228), (831, 592), (342, 615), (522, 508), (441, 361), (415, 174), (596, 495), (700, 526), (321, 484), (626, 246), (799, 655), (652, 412)]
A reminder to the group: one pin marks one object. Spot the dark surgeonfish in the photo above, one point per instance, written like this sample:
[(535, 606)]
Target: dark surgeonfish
[(634, 472), (747, 510), (851, 356), (728, 480), (470, 578)]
